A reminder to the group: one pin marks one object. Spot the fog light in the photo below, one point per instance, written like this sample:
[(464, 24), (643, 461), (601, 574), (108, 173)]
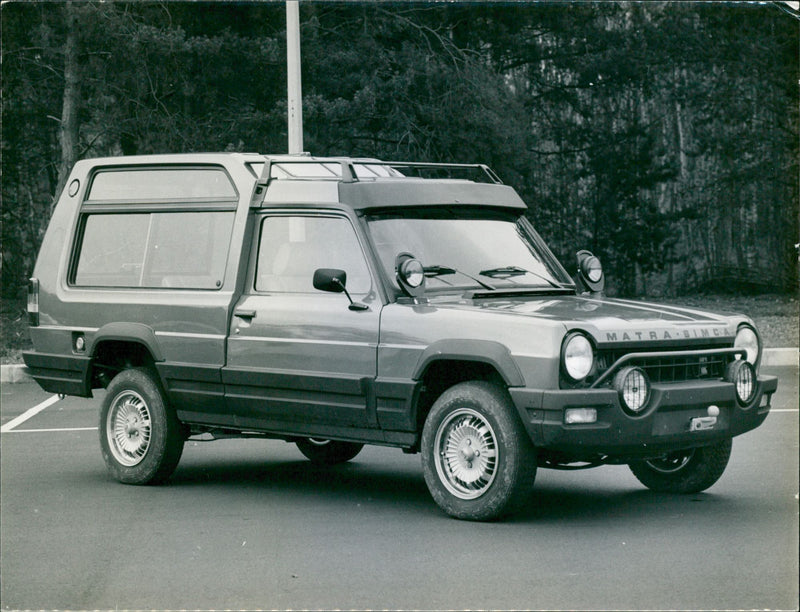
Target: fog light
[(580, 415), (742, 375), (633, 388)]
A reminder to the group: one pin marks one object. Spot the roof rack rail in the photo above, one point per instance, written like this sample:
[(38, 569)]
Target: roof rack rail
[(347, 167), (490, 174), (348, 174)]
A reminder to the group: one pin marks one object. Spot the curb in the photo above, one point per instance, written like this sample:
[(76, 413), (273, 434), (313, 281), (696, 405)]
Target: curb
[(18, 373), (14, 373), (780, 357)]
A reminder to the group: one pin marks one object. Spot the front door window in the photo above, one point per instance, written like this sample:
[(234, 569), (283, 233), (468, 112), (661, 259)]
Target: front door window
[(292, 248)]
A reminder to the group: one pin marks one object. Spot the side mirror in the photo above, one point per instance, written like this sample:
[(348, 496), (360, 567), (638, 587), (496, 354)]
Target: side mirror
[(590, 272), (330, 280), (335, 281)]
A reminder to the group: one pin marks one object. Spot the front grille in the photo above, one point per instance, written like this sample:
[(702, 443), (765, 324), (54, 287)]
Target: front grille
[(666, 366), (674, 369)]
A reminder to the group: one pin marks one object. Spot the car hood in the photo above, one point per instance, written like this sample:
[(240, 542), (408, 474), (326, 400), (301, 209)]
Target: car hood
[(614, 321)]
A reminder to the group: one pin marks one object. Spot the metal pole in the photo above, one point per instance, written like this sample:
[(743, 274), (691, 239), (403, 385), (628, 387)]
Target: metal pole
[(295, 91)]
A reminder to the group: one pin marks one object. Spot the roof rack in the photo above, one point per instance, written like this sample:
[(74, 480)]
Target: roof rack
[(351, 170), (490, 174)]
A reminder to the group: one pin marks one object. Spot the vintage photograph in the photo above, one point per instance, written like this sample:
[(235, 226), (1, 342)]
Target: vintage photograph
[(363, 305)]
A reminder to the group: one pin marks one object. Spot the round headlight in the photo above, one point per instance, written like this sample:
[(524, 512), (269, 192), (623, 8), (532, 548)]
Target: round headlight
[(577, 356), (633, 387), (746, 339), (743, 376)]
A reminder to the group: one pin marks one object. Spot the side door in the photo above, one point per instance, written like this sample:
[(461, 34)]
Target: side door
[(298, 359)]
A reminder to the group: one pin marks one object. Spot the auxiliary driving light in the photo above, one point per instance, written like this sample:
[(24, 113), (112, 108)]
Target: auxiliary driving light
[(410, 275), (412, 272), (743, 376), (633, 387), (590, 272)]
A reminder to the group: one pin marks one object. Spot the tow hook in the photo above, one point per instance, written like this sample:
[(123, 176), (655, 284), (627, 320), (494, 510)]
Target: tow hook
[(706, 422)]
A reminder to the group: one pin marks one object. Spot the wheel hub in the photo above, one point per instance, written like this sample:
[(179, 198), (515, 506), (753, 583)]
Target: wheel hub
[(132, 426), (128, 428), (467, 458), (468, 452)]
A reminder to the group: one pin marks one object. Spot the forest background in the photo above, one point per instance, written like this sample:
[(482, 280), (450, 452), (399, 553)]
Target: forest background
[(663, 136)]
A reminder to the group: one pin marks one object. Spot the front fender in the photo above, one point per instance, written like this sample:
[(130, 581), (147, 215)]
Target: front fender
[(483, 351)]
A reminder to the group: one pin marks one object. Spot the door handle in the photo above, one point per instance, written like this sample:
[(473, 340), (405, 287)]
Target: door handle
[(244, 314)]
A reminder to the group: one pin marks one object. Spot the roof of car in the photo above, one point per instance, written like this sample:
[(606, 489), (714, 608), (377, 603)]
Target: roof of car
[(363, 183), (427, 192), (358, 183)]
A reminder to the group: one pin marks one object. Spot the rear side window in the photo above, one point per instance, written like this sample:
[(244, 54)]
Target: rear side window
[(186, 250), (161, 184)]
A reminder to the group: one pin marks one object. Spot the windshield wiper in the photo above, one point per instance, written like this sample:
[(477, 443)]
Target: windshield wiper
[(507, 272), (433, 271)]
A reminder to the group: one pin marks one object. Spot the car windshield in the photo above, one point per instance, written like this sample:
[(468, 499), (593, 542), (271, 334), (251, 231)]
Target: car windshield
[(463, 249)]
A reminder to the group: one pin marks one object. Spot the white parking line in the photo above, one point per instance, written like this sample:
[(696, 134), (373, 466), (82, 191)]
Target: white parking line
[(52, 430), (11, 426), (31, 412)]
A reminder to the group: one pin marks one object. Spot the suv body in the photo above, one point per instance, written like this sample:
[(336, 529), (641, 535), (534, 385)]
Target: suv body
[(206, 292)]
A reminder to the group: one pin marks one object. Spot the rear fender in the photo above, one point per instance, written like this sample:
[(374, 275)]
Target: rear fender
[(127, 332)]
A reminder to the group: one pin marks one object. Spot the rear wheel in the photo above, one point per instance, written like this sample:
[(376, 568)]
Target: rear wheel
[(140, 437), (478, 461), (685, 471), (328, 452)]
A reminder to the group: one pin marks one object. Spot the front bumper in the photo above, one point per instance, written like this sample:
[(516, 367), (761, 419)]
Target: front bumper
[(663, 426)]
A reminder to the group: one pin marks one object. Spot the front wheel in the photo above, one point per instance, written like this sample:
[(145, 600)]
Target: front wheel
[(140, 436), (685, 471), (328, 452), (477, 459)]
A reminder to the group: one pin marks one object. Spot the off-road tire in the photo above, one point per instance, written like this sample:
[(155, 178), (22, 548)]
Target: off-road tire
[(477, 459), (140, 437), (688, 471)]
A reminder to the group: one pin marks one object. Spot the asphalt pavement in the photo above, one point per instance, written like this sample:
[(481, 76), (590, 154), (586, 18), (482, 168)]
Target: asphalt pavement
[(249, 524)]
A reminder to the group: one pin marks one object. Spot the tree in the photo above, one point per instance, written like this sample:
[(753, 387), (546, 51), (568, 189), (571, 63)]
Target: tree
[(663, 135), (69, 132)]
